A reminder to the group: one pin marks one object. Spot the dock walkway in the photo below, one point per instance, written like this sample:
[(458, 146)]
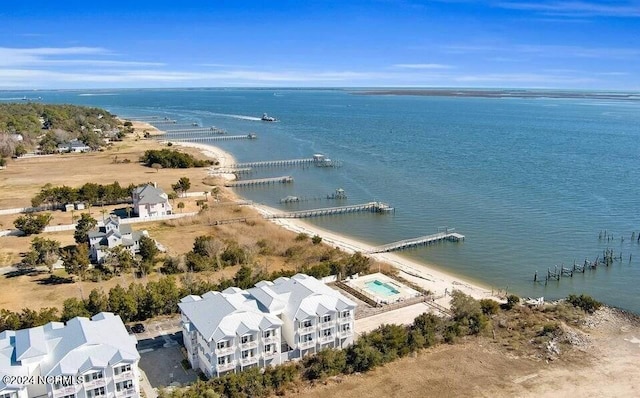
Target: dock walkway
[(420, 241), (316, 160), (211, 130), (216, 138), (259, 181), (373, 207)]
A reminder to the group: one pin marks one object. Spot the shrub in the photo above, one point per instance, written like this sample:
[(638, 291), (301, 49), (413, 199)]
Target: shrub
[(316, 239), (32, 223), (301, 237), (489, 306), (584, 302), (512, 301)]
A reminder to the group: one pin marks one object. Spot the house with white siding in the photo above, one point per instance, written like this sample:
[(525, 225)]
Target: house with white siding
[(150, 201), (111, 234), (82, 358), (269, 324)]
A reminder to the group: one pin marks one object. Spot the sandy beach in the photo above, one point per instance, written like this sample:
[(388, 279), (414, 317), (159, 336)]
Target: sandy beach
[(425, 275)]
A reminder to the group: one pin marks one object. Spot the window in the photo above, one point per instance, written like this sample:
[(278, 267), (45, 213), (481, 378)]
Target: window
[(93, 376), (267, 348), (346, 314), (346, 327), (267, 334), (121, 369), (247, 354), (326, 332), (223, 360), (68, 396), (9, 395), (221, 344), (125, 385), (326, 318), (306, 324), (96, 392), (305, 338), (246, 339)]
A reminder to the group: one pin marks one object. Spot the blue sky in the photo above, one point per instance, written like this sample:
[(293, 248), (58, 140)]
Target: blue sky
[(321, 43)]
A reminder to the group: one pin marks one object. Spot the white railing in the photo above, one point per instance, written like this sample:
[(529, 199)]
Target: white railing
[(89, 385), (325, 325), (249, 344), (345, 333), (270, 339), (67, 390), (225, 350), (325, 339), (226, 366), (125, 392), (269, 354), (306, 344), (304, 330), (124, 375), (248, 360)]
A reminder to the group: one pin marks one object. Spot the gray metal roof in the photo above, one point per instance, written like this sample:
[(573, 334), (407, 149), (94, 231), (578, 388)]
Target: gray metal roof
[(150, 195)]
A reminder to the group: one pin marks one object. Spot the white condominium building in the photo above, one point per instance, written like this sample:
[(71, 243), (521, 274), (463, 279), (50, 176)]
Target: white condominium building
[(268, 324), (84, 358)]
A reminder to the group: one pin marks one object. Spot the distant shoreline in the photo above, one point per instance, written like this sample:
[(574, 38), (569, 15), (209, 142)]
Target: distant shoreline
[(502, 93)]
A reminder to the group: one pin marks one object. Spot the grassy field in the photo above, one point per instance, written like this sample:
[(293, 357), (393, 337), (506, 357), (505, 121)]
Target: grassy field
[(270, 247)]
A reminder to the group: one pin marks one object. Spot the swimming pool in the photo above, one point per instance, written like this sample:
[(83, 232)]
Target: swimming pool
[(381, 288)]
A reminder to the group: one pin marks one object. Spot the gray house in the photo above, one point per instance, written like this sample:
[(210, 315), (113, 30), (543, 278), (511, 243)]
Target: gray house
[(110, 235)]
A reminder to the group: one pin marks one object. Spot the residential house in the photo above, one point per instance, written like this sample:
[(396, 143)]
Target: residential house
[(150, 201), (84, 358), (111, 234), (271, 323), (75, 146)]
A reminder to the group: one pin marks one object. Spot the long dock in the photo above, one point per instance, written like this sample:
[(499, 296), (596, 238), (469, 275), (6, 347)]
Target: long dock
[(210, 130), (372, 207), (318, 160), (420, 241), (163, 121), (217, 138), (260, 181)]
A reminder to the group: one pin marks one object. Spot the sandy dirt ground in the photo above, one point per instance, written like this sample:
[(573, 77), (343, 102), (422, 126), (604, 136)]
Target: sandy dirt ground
[(607, 365)]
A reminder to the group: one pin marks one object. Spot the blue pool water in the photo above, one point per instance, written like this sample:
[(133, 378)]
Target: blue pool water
[(381, 288)]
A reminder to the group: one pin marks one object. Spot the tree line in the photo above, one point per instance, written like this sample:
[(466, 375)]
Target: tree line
[(172, 159), (89, 193)]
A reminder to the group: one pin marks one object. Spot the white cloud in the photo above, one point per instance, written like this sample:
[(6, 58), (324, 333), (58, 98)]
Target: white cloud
[(622, 9), (423, 66)]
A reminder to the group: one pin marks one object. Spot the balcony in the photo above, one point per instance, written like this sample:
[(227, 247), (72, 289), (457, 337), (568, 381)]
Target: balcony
[(126, 392), (346, 319), (249, 345), (91, 384), (326, 339), (226, 366), (306, 344), (248, 360), (128, 375), (269, 354), (328, 324), (67, 390), (345, 333), (305, 330), (271, 339), (225, 350)]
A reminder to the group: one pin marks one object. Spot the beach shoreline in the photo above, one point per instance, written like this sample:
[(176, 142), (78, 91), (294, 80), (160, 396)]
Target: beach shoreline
[(428, 276)]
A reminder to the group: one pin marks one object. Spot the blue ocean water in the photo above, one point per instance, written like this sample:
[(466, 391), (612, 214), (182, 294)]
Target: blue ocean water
[(531, 183)]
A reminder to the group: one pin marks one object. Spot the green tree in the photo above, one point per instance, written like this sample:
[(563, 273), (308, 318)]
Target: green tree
[(182, 186), (171, 265), (119, 259), (48, 143), (97, 302), (47, 251), (85, 224), (467, 313), (122, 303), (326, 363), (76, 260), (72, 307), (148, 249), (180, 206), (32, 224)]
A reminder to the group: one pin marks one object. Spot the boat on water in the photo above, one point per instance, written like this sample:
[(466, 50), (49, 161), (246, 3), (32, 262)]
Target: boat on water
[(267, 118)]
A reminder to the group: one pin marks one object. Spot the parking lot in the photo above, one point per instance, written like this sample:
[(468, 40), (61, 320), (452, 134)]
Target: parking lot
[(160, 353)]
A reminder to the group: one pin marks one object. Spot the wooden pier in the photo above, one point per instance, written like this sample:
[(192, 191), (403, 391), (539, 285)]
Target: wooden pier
[(420, 241), (216, 138), (162, 121), (260, 181), (371, 207), (229, 170), (209, 130), (318, 160)]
